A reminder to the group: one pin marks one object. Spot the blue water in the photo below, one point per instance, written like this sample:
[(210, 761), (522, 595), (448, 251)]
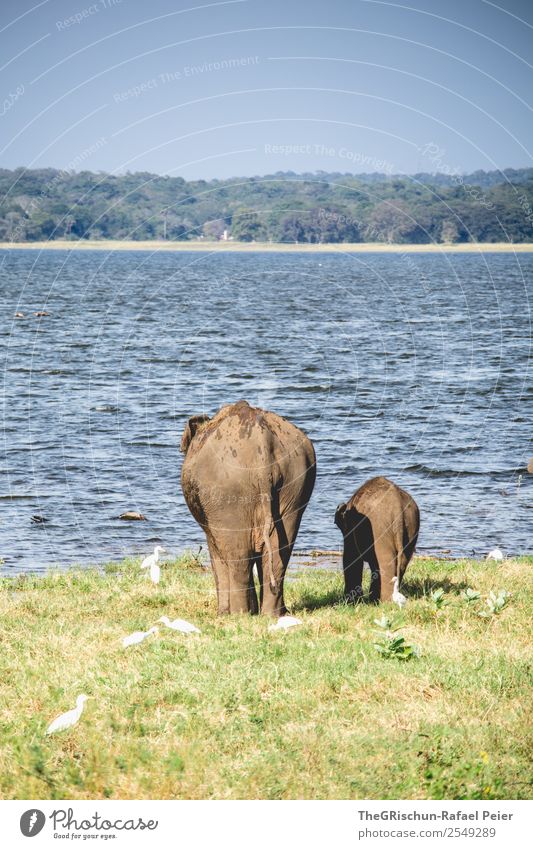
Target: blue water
[(413, 366)]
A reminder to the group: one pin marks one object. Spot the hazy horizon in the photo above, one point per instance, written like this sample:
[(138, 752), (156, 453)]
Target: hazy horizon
[(350, 174)]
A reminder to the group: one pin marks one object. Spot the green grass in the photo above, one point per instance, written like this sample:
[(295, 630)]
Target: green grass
[(238, 712)]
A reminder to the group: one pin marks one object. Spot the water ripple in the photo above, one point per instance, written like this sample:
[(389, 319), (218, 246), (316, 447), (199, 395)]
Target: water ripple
[(418, 371)]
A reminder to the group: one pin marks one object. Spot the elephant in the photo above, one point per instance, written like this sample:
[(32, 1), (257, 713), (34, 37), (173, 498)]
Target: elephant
[(380, 525), (247, 477)]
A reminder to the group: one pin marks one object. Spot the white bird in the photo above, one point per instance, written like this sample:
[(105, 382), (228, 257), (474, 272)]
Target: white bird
[(495, 554), (68, 719), (137, 637), (285, 622), (152, 558), (397, 597), (151, 562), (180, 625)]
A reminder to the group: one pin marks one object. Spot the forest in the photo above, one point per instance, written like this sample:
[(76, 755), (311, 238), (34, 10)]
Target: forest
[(47, 204)]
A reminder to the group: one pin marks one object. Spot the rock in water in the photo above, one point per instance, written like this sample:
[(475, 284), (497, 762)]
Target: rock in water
[(132, 516)]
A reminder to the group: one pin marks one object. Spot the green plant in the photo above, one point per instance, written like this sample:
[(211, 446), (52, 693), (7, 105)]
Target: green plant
[(395, 646), (496, 603), (470, 595), (389, 645), (438, 597)]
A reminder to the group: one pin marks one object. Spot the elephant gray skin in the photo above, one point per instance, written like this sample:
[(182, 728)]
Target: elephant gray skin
[(380, 525), (247, 477)]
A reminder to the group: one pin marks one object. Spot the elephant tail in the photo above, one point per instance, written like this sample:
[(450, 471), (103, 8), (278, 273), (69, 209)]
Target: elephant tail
[(406, 540), (268, 527), (402, 556), (399, 564), (399, 552)]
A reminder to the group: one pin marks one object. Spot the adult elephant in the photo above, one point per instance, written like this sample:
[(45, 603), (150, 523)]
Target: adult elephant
[(247, 477), (380, 525)]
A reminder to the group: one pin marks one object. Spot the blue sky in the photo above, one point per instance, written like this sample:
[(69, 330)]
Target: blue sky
[(249, 87)]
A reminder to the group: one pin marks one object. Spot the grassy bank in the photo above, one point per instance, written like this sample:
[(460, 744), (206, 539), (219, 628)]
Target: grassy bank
[(273, 247), (240, 712)]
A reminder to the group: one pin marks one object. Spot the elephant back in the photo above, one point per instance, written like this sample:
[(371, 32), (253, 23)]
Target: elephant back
[(249, 436)]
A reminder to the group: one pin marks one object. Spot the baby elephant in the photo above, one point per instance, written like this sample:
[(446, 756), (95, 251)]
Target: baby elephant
[(380, 525)]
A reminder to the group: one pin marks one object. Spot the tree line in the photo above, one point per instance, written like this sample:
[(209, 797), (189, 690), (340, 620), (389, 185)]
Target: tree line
[(48, 204)]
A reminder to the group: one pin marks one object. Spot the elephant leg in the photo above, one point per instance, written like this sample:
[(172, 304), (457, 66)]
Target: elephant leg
[(235, 588), (240, 560), (285, 524), (272, 603), (282, 540), (222, 581), (232, 564), (352, 564), (386, 563), (242, 588), (375, 576), (408, 551)]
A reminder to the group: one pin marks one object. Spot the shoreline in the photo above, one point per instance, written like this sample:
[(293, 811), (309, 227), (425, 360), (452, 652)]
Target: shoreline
[(267, 247), (311, 561)]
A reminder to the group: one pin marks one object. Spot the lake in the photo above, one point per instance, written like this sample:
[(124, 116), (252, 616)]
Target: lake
[(412, 366)]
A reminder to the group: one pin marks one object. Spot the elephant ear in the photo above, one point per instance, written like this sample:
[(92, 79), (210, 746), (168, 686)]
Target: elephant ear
[(190, 430), (339, 516)]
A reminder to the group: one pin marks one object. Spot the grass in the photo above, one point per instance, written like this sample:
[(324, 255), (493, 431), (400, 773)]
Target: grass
[(239, 712), (272, 247)]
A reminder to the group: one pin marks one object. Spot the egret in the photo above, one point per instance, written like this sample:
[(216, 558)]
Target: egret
[(397, 597), (495, 554), (151, 562), (285, 622), (138, 636), (180, 625), (68, 719), (152, 558)]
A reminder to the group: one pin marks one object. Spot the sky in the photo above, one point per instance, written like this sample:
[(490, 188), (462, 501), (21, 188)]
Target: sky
[(251, 87)]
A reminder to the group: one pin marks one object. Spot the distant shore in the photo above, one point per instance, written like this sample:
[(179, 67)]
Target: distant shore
[(270, 247)]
